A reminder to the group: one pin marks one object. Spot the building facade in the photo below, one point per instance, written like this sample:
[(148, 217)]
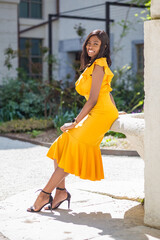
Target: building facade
[(24, 28)]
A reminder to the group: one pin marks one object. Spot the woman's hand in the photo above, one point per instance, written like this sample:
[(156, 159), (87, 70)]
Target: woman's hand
[(122, 112), (67, 126)]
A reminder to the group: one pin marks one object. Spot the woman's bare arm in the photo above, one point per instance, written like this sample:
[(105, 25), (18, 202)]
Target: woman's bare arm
[(97, 78)]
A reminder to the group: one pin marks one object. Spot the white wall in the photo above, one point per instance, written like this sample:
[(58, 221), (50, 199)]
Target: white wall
[(63, 29), (134, 33), (49, 7), (67, 31), (8, 36)]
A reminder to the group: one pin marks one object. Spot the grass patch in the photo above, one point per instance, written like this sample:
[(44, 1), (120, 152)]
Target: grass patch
[(34, 133)]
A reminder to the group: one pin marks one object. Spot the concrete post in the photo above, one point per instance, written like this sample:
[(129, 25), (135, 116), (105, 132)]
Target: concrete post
[(155, 9), (152, 116), (8, 35)]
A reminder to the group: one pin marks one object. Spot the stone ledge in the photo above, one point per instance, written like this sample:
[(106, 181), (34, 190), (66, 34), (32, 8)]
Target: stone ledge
[(132, 125)]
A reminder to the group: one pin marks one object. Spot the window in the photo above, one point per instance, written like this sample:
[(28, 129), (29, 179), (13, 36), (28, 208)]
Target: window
[(31, 57), (140, 58), (30, 9)]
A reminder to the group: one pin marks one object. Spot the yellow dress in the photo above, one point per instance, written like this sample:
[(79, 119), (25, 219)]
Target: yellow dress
[(77, 150)]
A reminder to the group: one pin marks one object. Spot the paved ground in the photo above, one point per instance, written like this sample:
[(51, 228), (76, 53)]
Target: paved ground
[(99, 210)]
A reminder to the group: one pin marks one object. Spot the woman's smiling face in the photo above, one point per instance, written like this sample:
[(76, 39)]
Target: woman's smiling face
[(93, 46)]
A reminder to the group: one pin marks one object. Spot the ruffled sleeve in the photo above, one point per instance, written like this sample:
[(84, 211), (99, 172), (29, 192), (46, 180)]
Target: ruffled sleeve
[(103, 63), (83, 84), (108, 73)]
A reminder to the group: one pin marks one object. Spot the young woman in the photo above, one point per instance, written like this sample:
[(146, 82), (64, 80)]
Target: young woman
[(77, 150)]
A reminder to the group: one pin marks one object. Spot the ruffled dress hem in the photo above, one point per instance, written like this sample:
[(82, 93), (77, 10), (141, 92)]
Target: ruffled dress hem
[(77, 158)]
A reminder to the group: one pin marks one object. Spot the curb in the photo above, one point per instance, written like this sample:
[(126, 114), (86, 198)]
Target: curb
[(104, 151), (118, 152), (26, 140)]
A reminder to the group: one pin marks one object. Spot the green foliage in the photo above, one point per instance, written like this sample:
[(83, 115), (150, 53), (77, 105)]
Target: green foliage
[(141, 2), (20, 99), (61, 118), (146, 3), (81, 31), (34, 133), (115, 134), (51, 59), (126, 26), (27, 98), (69, 99), (26, 125), (69, 105), (128, 90), (108, 142), (9, 55), (142, 201)]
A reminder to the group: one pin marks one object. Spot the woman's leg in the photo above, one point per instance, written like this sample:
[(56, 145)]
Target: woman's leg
[(53, 182), (59, 195), (62, 183)]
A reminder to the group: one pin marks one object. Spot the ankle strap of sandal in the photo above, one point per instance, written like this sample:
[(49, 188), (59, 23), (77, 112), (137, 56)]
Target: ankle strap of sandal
[(62, 189), (43, 191)]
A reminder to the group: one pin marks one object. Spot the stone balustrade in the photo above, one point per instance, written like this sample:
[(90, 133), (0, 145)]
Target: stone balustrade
[(132, 125)]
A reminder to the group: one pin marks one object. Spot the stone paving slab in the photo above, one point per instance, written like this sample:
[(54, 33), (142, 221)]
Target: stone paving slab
[(92, 216)]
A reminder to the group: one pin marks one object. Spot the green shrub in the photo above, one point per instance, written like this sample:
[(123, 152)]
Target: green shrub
[(128, 90), (20, 99), (115, 134), (61, 118), (27, 98), (26, 125)]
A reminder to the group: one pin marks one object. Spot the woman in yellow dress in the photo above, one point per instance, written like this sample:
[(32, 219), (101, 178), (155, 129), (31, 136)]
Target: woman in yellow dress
[(77, 150)]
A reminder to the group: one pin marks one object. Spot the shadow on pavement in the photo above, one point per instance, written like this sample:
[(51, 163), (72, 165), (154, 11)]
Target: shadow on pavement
[(129, 228)]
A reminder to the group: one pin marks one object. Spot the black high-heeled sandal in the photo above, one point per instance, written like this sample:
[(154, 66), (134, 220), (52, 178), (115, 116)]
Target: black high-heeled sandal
[(49, 202), (68, 198)]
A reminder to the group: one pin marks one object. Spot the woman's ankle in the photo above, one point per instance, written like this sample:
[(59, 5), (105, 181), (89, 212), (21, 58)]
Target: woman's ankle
[(44, 196)]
